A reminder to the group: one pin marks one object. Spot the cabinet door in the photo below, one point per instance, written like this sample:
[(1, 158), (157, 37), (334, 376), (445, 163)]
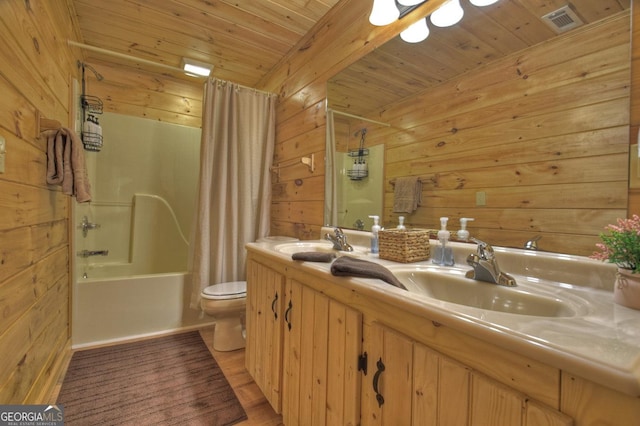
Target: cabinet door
[(263, 353), (409, 384), (495, 404), (321, 346), (387, 386)]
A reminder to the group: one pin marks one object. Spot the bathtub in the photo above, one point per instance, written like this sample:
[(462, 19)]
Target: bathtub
[(144, 187), (129, 307)]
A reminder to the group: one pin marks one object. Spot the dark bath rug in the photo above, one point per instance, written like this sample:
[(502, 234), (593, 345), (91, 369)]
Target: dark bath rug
[(171, 380)]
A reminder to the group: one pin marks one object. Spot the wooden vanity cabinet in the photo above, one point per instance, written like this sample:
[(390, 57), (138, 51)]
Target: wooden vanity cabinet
[(302, 348), (264, 325), (410, 384), (306, 333), (321, 348)]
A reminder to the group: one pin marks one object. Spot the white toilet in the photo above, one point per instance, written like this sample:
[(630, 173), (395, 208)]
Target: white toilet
[(226, 303)]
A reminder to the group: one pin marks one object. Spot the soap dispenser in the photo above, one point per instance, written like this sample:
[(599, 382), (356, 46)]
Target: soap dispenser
[(443, 255), (401, 226), (463, 234), (374, 234)]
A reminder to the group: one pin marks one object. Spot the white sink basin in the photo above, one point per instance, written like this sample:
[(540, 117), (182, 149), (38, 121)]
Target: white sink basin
[(450, 285), (316, 246)]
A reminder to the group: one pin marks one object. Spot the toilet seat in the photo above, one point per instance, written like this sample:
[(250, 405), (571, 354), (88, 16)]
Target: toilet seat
[(276, 238), (225, 291)]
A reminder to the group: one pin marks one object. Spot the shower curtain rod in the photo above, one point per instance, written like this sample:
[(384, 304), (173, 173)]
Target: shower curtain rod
[(127, 57), (157, 64), (346, 114), (244, 87)]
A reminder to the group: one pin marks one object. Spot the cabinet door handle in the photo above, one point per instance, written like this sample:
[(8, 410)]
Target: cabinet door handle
[(286, 315), (376, 377), (273, 306)]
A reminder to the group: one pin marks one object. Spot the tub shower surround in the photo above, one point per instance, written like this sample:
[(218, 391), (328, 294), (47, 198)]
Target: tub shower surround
[(139, 220)]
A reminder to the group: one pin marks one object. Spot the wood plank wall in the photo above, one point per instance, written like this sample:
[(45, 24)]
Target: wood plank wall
[(573, 127), (35, 74), (160, 96)]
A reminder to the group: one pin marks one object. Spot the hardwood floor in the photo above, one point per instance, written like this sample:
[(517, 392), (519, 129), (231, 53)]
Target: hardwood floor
[(258, 410)]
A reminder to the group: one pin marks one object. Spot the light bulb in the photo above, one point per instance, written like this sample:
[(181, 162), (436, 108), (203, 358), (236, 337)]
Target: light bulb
[(383, 12), (417, 32), (413, 2), (482, 2), (450, 13)]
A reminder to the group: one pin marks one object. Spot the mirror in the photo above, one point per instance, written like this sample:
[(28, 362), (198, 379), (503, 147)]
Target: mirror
[(486, 114), (358, 170)]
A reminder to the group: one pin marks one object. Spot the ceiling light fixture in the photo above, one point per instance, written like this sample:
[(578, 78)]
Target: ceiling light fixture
[(417, 32), (411, 2), (450, 13), (482, 2), (383, 12), (193, 67)]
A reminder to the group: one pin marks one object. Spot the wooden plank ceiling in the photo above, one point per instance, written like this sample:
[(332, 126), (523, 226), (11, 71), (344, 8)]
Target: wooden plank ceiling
[(242, 39), (245, 39)]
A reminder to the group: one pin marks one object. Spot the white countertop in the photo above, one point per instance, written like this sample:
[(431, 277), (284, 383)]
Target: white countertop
[(601, 342)]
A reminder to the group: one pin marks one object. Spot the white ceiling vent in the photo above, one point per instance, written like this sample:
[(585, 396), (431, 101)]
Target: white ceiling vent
[(562, 20)]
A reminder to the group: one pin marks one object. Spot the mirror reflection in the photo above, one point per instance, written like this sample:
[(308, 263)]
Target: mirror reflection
[(504, 119), (358, 171)]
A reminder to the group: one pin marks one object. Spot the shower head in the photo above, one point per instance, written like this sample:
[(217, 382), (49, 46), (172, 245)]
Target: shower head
[(99, 76), (362, 131)]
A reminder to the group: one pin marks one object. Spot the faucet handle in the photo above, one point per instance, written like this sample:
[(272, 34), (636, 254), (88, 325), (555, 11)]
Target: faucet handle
[(485, 251), (532, 244)]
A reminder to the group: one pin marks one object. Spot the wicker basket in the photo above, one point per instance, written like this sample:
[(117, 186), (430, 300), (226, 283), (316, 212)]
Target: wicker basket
[(404, 246)]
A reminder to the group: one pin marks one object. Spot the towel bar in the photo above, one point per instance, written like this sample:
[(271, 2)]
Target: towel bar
[(393, 181), (308, 161), (44, 124)]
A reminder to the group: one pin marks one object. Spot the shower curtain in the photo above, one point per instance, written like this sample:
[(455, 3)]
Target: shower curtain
[(234, 195), (330, 180)]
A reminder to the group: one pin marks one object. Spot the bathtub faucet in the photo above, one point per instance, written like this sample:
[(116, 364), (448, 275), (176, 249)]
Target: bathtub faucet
[(88, 253), (85, 225)]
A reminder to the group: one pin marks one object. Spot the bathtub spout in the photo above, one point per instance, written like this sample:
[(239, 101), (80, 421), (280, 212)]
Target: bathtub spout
[(88, 253)]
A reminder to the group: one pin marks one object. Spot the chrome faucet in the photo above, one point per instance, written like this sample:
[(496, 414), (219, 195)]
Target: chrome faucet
[(532, 244), (85, 225), (339, 240), (88, 253), (485, 266)]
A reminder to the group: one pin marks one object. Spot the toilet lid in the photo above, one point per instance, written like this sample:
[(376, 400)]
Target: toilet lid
[(230, 290)]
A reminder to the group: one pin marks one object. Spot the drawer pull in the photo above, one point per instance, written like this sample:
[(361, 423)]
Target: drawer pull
[(273, 306), (286, 315), (376, 377)]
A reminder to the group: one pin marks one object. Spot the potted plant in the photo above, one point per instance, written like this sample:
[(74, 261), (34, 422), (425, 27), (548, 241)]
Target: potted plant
[(621, 245)]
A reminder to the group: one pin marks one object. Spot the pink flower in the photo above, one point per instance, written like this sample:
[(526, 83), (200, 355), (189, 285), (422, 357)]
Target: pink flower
[(621, 245)]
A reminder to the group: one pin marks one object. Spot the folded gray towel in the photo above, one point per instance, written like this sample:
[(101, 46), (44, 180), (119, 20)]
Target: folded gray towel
[(349, 266), (314, 256)]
